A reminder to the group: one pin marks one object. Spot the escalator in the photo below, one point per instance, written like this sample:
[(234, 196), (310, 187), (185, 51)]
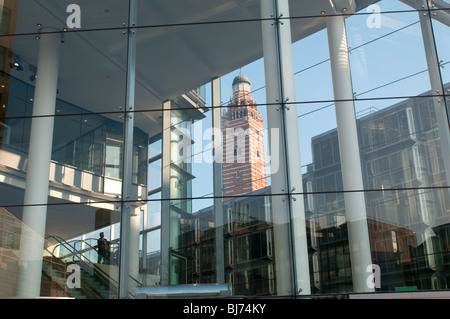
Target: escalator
[(63, 262), (71, 269)]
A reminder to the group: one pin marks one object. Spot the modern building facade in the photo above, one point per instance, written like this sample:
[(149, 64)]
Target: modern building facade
[(402, 229), (401, 239), (112, 120)]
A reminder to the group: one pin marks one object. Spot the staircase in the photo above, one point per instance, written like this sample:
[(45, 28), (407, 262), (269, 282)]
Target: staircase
[(95, 283), (91, 285)]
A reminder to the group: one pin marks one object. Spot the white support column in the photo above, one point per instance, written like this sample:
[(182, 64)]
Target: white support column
[(165, 194), (352, 178), (127, 178), (144, 242), (437, 89), (38, 168), (292, 265), (218, 181), (135, 221), (442, 119)]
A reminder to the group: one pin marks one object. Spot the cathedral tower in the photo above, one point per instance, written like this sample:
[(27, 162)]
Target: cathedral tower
[(244, 168)]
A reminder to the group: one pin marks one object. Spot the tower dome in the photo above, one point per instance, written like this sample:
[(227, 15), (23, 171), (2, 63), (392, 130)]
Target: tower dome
[(241, 79)]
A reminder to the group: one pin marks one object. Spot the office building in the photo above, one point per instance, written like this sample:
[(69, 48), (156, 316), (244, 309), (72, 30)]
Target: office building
[(396, 153)]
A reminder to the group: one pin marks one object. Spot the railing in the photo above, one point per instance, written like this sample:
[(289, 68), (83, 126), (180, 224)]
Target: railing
[(64, 253), (85, 257), (58, 254)]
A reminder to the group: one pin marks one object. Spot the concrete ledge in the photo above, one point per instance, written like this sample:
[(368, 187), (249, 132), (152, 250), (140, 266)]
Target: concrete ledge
[(184, 291), (404, 295)]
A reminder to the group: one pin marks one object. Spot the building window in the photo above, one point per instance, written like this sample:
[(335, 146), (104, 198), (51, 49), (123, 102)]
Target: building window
[(394, 241)]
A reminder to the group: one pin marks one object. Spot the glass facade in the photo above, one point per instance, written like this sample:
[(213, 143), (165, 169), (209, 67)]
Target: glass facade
[(261, 148)]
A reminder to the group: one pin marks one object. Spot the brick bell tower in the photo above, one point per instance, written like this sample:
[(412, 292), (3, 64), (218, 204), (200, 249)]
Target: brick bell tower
[(244, 168)]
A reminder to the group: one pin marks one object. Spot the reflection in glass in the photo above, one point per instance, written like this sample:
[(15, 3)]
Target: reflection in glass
[(390, 45), (181, 216), (401, 159), (244, 165)]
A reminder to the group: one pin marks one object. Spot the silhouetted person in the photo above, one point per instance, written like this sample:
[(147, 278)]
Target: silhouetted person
[(103, 249)]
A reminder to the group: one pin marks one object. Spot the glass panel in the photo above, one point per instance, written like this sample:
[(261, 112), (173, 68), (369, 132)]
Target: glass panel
[(392, 157), (257, 247), (440, 32), (86, 156), (245, 134), (324, 208), (402, 145), (395, 46), (151, 265), (84, 140), (409, 252), (248, 246), (316, 118), (161, 12), (192, 210), (312, 73), (71, 264), (407, 240)]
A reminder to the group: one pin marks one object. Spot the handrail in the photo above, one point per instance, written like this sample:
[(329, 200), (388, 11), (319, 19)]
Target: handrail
[(113, 242), (75, 252), (82, 250), (91, 289), (88, 266), (62, 242)]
